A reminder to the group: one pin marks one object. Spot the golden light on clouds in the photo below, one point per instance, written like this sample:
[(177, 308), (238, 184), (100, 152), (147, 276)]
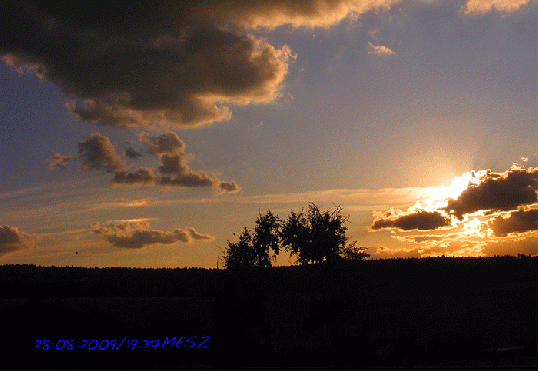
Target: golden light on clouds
[(478, 212), (474, 228), (476, 7), (438, 195), (379, 50)]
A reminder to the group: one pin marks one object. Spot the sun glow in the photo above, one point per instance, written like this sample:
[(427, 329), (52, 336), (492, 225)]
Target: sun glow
[(474, 228), (435, 198), (458, 185)]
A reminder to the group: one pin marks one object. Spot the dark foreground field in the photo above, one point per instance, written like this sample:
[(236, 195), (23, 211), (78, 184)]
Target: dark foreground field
[(445, 313)]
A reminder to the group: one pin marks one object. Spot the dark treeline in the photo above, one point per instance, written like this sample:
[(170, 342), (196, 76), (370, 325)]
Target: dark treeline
[(428, 313), (32, 281), (24, 280)]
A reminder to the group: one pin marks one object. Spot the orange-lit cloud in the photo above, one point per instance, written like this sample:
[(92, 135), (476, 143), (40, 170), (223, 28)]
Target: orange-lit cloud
[(170, 64), (419, 239), (178, 64), (421, 220), (379, 50), (516, 222), (511, 246), (98, 153), (477, 7), (122, 203), (358, 199), (11, 239), (58, 161), (448, 244), (161, 66), (298, 13), (141, 175), (164, 144), (137, 234), (493, 191), (455, 247), (479, 201), (174, 164)]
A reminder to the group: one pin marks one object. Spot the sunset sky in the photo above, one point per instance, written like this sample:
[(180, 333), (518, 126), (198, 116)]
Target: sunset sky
[(145, 134)]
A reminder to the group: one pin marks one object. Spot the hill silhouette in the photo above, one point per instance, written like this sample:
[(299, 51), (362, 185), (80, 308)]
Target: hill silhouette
[(453, 313)]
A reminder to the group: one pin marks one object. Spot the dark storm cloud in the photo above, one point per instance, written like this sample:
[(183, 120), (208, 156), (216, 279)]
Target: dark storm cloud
[(11, 239), (520, 221), (97, 152), (58, 161), (422, 220), (145, 63), (497, 192), (137, 234), (167, 63)]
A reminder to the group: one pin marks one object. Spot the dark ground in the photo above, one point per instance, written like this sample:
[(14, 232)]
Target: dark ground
[(443, 313)]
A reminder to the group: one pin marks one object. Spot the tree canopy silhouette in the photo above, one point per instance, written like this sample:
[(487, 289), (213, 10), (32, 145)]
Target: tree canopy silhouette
[(319, 236), (254, 249), (313, 236)]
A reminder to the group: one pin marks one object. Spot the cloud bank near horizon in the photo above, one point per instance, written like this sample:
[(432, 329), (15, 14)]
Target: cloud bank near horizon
[(487, 192), (136, 234), (492, 207)]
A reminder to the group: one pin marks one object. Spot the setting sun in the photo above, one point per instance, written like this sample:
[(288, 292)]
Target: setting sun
[(439, 195)]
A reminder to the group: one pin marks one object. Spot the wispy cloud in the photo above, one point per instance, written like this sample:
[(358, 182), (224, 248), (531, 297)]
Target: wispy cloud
[(359, 198), (379, 50), (121, 203)]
